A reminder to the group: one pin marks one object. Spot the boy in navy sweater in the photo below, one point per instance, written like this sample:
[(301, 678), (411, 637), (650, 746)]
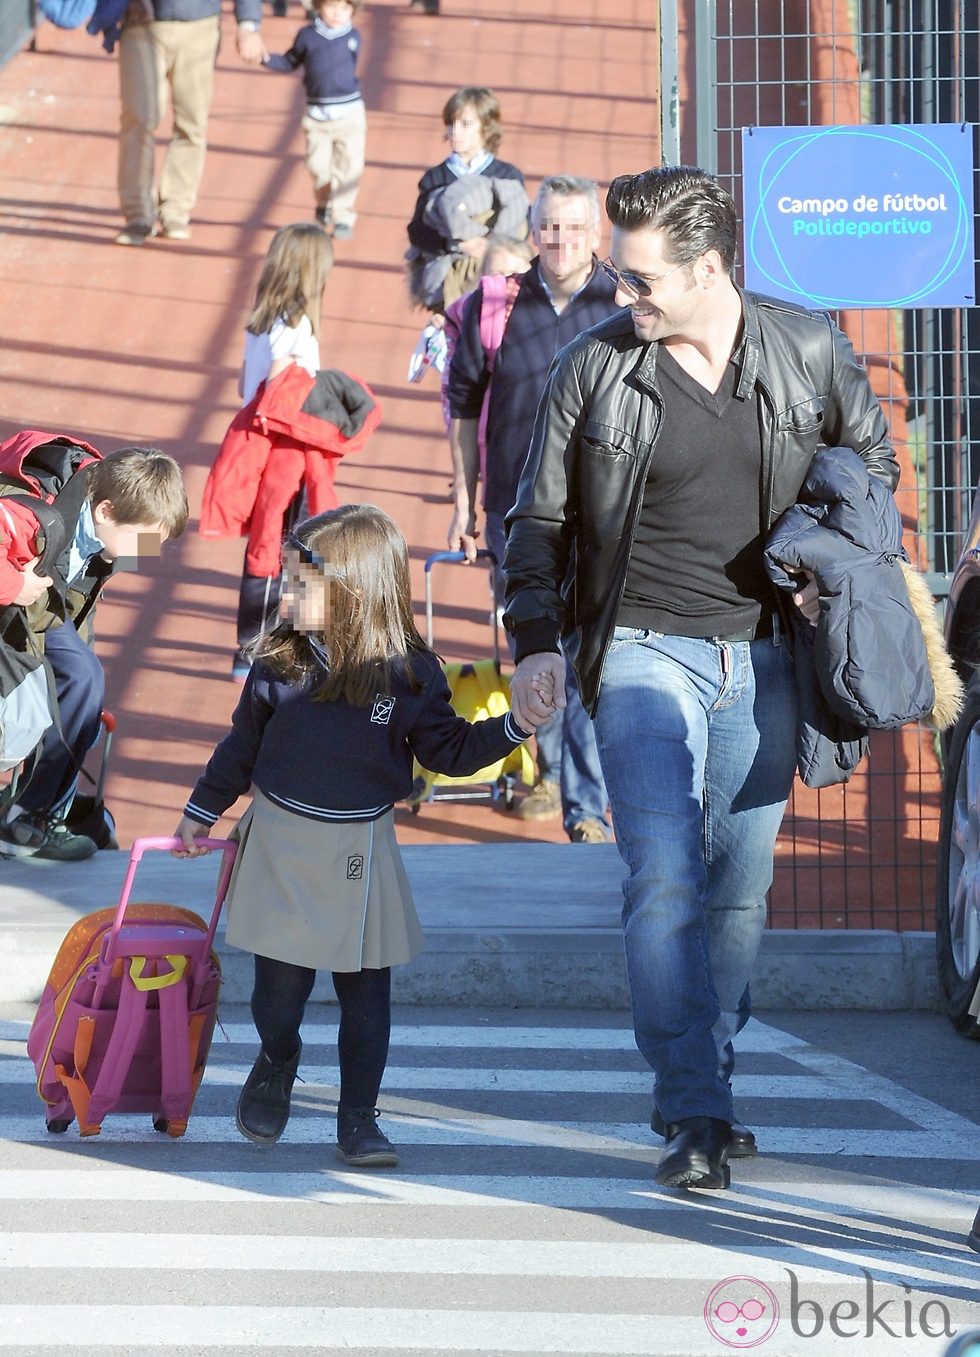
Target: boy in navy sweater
[(334, 123)]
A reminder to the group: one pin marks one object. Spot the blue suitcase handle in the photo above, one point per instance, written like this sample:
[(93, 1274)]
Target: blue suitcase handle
[(456, 558)]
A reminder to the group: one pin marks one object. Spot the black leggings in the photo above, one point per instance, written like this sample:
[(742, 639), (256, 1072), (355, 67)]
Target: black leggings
[(279, 998)]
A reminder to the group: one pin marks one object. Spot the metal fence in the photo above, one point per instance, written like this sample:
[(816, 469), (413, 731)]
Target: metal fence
[(861, 856), (17, 23)]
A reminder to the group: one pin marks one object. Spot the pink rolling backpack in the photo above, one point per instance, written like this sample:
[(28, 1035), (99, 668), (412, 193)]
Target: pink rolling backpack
[(126, 1018)]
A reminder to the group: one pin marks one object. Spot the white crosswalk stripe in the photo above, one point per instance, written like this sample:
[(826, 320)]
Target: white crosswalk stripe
[(537, 1080), (268, 1328), (529, 1227), (463, 1257), (629, 1140)]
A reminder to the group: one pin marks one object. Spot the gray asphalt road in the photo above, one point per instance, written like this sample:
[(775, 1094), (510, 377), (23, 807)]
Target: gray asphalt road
[(523, 1217)]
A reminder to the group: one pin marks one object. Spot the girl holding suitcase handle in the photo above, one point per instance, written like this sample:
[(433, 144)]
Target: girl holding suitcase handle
[(343, 693)]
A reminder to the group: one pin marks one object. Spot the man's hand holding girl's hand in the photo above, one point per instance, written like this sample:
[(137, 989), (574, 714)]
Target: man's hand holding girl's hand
[(187, 830), (537, 689)]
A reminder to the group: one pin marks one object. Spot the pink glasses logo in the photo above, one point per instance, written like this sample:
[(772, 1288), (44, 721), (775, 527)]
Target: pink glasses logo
[(741, 1312)]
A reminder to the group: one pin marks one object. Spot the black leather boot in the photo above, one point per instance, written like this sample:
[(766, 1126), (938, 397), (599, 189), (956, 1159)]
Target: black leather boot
[(263, 1105), (741, 1142), (360, 1141), (696, 1154)]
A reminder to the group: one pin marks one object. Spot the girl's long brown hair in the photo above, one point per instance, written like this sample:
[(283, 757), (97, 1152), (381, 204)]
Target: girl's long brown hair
[(293, 278), (364, 555)]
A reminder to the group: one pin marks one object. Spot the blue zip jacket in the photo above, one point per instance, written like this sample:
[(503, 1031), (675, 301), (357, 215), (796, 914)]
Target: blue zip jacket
[(535, 334), (865, 665), (109, 14)]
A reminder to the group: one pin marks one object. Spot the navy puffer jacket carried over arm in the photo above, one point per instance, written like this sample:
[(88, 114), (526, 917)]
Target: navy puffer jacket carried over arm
[(866, 661)]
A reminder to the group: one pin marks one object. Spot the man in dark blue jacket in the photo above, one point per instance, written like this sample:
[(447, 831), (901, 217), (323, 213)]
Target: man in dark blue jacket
[(563, 293), (170, 44)]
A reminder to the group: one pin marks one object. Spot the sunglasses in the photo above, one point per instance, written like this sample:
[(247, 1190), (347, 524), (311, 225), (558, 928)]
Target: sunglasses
[(637, 283)]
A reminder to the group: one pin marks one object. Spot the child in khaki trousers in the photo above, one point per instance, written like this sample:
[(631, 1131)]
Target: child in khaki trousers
[(335, 124)]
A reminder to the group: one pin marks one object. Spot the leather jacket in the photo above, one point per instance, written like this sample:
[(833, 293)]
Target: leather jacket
[(571, 528)]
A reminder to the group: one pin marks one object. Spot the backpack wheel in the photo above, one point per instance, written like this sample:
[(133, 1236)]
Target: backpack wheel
[(59, 1126), (162, 1125)]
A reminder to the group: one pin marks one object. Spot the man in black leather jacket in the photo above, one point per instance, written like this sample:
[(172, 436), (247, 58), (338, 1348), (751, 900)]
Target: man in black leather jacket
[(667, 442)]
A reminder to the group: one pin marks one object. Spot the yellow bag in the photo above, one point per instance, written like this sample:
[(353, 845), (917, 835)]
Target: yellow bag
[(478, 690)]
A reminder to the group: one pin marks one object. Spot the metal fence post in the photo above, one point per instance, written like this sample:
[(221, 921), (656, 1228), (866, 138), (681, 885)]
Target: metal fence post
[(670, 125), (706, 84), (17, 22)]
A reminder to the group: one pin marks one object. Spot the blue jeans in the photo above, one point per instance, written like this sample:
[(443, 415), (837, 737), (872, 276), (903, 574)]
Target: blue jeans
[(569, 755), (567, 749), (697, 740), (80, 684)]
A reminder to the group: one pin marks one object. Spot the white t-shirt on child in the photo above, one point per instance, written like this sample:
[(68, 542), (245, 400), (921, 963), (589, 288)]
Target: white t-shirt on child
[(282, 341)]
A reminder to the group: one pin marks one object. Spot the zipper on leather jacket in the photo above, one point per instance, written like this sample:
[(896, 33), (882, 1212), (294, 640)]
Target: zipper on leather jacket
[(771, 469)]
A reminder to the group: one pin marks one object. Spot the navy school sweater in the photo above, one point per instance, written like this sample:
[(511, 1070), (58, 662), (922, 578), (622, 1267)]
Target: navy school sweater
[(329, 58), (333, 761), (535, 334)]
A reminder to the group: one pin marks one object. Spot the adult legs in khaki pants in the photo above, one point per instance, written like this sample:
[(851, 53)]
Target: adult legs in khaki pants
[(139, 94), (179, 54), (189, 50)]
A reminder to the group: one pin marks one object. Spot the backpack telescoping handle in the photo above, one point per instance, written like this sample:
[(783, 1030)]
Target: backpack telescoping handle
[(167, 844), (457, 558)]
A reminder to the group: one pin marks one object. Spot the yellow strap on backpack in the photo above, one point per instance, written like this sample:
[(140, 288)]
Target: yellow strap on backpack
[(178, 966)]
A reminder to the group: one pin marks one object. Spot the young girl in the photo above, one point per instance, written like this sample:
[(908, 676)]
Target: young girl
[(283, 328), (461, 200), (343, 693), (284, 325)]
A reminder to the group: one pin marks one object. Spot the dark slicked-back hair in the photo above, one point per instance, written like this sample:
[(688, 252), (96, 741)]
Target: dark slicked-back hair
[(691, 208)]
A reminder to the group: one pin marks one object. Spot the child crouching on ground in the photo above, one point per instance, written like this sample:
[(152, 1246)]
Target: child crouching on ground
[(342, 695), (134, 501)]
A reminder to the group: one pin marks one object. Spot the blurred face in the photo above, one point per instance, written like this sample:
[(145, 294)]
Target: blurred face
[(464, 134), (665, 298), (305, 597), (127, 545), (335, 13), (566, 234)]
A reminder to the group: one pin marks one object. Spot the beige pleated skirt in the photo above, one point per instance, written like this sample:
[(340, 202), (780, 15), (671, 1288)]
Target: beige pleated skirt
[(331, 896)]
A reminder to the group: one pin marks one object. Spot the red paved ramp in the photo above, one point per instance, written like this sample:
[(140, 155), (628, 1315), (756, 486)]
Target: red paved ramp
[(143, 345)]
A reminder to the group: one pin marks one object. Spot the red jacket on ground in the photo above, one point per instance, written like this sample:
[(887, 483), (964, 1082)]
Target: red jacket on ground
[(291, 434)]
